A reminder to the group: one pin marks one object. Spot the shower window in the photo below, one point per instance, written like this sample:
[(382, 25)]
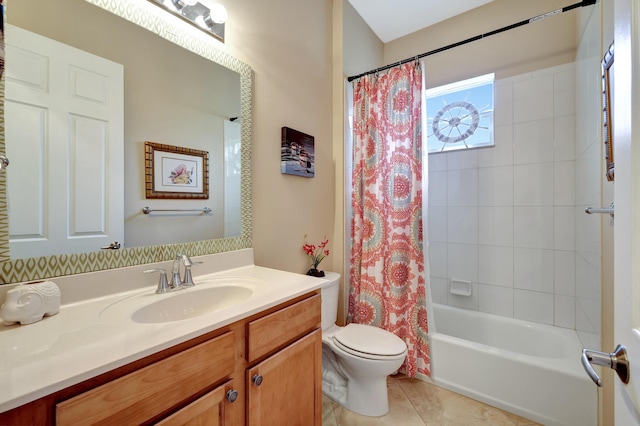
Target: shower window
[(460, 115)]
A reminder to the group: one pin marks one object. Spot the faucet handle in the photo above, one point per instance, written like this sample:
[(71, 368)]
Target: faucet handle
[(188, 278), (163, 284), (186, 260)]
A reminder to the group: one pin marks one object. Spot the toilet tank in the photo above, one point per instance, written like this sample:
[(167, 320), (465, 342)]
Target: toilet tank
[(329, 294)]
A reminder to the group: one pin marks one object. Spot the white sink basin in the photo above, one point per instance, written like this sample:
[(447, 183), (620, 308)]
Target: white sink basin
[(204, 298), (182, 305)]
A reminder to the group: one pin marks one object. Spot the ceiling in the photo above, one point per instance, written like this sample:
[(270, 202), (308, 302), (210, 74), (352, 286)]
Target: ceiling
[(392, 19)]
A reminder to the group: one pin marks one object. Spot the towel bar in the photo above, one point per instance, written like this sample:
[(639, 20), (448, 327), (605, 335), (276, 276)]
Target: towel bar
[(147, 210), (604, 210)]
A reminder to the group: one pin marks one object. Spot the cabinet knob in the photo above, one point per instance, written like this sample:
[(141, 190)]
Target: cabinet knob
[(232, 395), (257, 380)]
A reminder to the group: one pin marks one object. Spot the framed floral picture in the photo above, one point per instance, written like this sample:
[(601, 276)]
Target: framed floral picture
[(175, 172)]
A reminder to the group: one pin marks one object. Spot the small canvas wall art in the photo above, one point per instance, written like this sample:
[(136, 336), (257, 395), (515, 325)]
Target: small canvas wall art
[(297, 153)]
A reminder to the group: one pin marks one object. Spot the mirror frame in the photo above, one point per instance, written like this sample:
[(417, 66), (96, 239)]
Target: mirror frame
[(153, 18), (607, 113)]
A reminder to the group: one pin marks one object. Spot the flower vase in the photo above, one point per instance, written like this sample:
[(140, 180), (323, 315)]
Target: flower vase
[(315, 272)]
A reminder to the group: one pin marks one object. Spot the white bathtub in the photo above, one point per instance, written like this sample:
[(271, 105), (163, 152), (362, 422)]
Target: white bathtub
[(529, 369)]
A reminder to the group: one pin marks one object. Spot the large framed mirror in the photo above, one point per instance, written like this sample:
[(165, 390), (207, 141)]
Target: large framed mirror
[(179, 88)]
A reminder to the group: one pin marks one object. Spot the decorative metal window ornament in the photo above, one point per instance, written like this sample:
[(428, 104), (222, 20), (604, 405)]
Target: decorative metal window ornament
[(460, 115)]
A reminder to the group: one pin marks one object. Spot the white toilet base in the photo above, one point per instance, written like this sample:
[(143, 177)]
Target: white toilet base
[(365, 380), (368, 397)]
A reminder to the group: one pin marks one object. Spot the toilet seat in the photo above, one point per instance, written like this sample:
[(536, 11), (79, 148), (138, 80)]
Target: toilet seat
[(369, 342)]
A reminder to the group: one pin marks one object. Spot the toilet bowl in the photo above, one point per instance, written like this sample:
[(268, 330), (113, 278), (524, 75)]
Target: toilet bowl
[(356, 359)]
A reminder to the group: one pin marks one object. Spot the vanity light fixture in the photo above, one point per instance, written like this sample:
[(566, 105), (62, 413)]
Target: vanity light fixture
[(203, 14), (181, 4)]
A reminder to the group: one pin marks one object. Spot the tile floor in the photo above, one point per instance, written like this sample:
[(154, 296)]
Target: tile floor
[(415, 402)]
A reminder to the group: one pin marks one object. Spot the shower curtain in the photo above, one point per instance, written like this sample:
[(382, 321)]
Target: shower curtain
[(387, 268)]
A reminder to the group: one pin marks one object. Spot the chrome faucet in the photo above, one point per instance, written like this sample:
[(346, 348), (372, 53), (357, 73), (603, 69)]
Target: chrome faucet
[(176, 280), (177, 283)]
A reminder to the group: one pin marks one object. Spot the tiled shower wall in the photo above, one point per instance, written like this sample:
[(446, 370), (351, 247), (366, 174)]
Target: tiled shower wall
[(589, 172), (504, 217)]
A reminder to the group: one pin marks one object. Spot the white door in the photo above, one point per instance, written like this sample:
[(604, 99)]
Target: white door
[(626, 121), (64, 111)]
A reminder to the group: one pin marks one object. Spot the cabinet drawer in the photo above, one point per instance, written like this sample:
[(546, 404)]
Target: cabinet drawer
[(143, 394), (274, 330)]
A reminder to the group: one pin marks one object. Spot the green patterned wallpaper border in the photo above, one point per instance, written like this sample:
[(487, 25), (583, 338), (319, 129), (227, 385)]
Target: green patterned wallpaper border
[(154, 19)]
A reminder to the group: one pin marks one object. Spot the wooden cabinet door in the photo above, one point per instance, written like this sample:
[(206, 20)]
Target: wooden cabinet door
[(208, 410), (286, 388)]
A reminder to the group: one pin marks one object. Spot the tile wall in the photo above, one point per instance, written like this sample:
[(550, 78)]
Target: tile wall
[(504, 218), (589, 172)]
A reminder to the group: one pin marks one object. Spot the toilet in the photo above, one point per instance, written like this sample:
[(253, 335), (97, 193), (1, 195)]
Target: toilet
[(356, 359)]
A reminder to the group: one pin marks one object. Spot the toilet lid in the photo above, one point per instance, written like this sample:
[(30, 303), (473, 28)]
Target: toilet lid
[(369, 340)]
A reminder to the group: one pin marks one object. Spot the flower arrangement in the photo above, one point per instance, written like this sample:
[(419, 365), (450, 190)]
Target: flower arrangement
[(180, 175), (316, 254)]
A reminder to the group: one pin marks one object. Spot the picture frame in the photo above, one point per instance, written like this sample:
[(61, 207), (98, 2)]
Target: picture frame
[(607, 113), (297, 153), (175, 172)]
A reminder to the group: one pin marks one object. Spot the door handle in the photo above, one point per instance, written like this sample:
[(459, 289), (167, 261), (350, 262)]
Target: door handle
[(616, 360), (113, 246)]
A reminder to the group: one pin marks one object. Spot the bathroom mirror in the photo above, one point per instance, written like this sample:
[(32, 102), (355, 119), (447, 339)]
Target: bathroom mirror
[(158, 244)]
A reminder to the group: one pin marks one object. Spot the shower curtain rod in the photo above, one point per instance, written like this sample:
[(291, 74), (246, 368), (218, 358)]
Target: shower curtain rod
[(478, 37)]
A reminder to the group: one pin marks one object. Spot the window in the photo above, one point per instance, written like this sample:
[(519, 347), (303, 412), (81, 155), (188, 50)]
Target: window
[(460, 115)]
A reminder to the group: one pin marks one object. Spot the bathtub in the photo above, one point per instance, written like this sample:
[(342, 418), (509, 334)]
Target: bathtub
[(529, 369)]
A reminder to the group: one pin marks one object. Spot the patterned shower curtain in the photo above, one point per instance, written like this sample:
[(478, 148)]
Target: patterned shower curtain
[(387, 267)]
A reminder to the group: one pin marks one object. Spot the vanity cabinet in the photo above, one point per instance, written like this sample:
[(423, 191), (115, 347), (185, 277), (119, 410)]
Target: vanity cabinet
[(208, 380)]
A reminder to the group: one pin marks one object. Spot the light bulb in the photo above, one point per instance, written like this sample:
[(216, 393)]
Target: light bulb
[(218, 13), (201, 21)]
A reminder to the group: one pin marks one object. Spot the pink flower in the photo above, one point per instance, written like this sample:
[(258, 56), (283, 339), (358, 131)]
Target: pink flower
[(316, 253)]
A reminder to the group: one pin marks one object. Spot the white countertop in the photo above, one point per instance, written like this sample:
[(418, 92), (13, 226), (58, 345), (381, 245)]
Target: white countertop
[(78, 343)]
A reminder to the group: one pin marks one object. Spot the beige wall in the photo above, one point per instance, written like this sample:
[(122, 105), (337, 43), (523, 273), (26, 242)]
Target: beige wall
[(541, 44), (288, 43), (363, 50)]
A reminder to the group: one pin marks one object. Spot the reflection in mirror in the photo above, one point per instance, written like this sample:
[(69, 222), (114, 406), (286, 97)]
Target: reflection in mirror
[(166, 94)]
